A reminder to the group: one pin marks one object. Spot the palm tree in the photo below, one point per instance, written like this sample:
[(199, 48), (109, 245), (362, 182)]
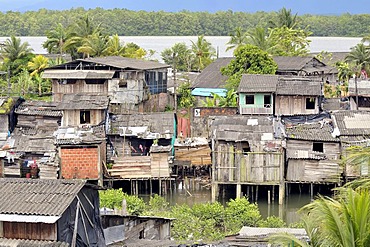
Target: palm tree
[(284, 18), (260, 38), (237, 39), (203, 52), (78, 33), (55, 39), (359, 55), (343, 221), (14, 49), (93, 45), (37, 65), (114, 47)]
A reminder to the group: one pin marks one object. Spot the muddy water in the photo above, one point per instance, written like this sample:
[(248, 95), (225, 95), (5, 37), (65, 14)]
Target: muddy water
[(192, 192)]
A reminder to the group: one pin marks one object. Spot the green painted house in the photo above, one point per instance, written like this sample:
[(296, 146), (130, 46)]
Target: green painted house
[(256, 94)]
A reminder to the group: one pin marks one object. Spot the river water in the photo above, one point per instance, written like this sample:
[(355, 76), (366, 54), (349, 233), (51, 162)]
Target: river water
[(159, 43)]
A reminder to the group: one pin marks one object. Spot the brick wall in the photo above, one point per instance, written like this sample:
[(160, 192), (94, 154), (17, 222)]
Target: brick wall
[(80, 163), (200, 118)]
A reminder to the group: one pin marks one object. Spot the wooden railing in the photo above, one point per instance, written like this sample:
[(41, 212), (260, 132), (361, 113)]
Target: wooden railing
[(257, 109)]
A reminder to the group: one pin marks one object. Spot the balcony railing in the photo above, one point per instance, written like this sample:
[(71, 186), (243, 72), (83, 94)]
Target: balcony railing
[(256, 109)]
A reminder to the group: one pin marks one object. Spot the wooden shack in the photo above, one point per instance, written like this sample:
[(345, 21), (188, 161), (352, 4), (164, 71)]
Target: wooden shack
[(297, 95), (83, 109), (139, 147), (359, 94), (126, 81), (256, 94), (118, 228), (34, 136), (312, 152), (50, 210), (194, 151), (246, 152), (353, 130)]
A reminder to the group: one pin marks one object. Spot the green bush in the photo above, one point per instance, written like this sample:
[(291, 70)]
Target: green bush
[(113, 199)]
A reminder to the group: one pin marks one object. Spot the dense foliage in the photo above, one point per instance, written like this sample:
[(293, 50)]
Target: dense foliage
[(249, 59), (207, 221), (141, 23)]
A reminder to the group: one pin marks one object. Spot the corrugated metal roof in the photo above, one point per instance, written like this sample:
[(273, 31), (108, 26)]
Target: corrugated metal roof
[(318, 131), (211, 76), (258, 83), (161, 123), (294, 85), (6, 242), (97, 63), (207, 92), (126, 63), (84, 102), (77, 136), (352, 123), (49, 197), (39, 108), (77, 74)]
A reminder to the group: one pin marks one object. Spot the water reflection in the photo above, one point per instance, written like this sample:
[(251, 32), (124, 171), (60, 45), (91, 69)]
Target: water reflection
[(193, 191)]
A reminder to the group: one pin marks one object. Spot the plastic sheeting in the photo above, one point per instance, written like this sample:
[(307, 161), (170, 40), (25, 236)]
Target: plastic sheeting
[(89, 228)]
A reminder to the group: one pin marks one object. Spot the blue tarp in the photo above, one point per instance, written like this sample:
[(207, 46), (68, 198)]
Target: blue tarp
[(206, 92)]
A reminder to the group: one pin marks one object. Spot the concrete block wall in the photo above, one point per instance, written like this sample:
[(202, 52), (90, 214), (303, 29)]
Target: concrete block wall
[(81, 163)]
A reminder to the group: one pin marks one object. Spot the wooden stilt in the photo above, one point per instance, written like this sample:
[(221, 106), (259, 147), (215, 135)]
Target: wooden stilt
[(268, 197), (281, 193), (160, 186), (238, 190), (137, 187), (150, 187), (311, 191), (256, 193), (273, 193)]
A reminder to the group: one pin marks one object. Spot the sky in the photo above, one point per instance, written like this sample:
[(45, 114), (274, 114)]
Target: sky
[(319, 7)]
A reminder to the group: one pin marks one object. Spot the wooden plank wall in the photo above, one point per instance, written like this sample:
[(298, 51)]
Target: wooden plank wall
[(79, 87), (200, 155), (159, 165), (131, 167), (234, 166), (72, 117), (288, 105), (32, 231), (315, 171)]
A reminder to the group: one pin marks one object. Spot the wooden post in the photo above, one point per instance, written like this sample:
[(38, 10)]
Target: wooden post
[(311, 191), (269, 197), (160, 186), (74, 236), (248, 192), (214, 191), (256, 193), (281, 193), (137, 187), (252, 192), (273, 193), (238, 190), (214, 187), (150, 186)]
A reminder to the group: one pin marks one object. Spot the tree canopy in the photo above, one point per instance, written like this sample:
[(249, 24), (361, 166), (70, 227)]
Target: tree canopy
[(248, 59), (126, 22)]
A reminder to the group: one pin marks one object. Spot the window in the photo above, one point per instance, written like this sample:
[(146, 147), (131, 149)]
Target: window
[(318, 147), (267, 101), (84, 117), (310, 103), (249, 99)]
